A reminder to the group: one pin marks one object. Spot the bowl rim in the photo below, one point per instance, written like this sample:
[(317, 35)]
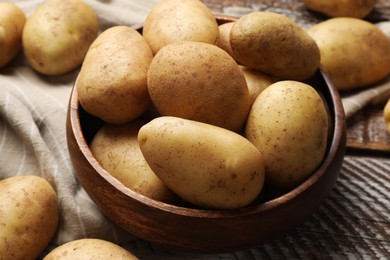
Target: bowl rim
[(337, 137)]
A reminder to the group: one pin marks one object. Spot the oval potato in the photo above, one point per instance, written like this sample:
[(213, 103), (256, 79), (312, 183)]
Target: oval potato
[(12, 20), (179, 20), (256, 81), (288, 123), (345, 8), (354, 53), (28, 216), (275, 45), (116, 148), (57, 35), (89, 249), (223, 40), (206, 165), (112, 82), (199, 81)]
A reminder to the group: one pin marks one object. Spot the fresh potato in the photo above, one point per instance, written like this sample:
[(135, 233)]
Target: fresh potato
[(345, 8), (112, 80), (275, 45), (206, 165), (12, 20), (28, 216), (223, 40), (116, 148), (179, 20), (201, 82), (256, 81), (354, 53), (89, 249), (288, 123), (57, 35), (386, 115)]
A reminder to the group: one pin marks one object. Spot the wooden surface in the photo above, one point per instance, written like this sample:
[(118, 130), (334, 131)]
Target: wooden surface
[(366, 133)]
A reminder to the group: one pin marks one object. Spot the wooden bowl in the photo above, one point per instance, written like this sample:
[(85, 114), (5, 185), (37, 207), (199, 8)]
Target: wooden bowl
[(196, 230)]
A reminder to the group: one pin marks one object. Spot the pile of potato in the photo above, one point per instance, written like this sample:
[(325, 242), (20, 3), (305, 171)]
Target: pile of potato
[(210, 113), (189, 119)]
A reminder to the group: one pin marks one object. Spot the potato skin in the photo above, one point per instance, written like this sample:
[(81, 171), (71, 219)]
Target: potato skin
[(206, 165), (386, 115), (112, 82), (223, 40), (12, 20), (201, 82), (288, 123), (57, 35), (345, 8), (179, 20), (275, 45), (116, 148), (89, 249), (256, 81), (28, 216), (354, 53)]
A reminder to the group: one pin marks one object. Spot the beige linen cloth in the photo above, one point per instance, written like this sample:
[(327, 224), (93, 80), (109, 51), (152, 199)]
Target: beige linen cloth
[(32, 126)]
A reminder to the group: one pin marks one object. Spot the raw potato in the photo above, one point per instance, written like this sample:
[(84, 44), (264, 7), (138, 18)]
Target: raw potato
[(344, 8), (256, 81), (28, 216), (112, 80), (288, 123), (206, 165), (274, 44), (89, 249), (12, 20), (354, 53), (386, 115), (116, 148), (179, 20), (57, 35), (223, 40), (201, 82)]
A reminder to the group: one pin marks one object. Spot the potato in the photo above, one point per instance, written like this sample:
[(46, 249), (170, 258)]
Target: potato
[(116, 148), (89, 249), (199, 81), (12, 20), (58, 34), (288, 123), (206, 165), (112, 80), (256, 81), (386, 115), (223, 40), (354, 53), (28, 216), (178, 20), (275, 45), (345, 8)]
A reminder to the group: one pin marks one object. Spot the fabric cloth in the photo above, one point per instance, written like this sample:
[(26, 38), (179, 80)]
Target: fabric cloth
[(33, 142)]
